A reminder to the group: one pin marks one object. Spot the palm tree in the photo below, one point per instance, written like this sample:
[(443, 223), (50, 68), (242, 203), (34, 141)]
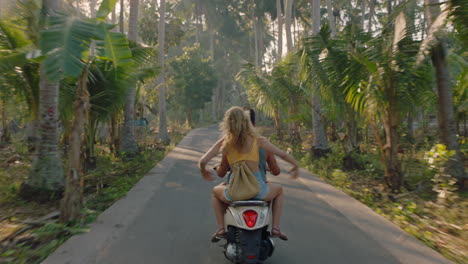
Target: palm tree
[(65, 45), (121, 16), (260, 92), (447, 130), (388, 92), (331, 18), (288, 23), (284, 80), (279, 17), (371, 14), (320, 142), (163, 135), (47, 173), (363, 14), (13, 42), (128, 144), (326, 59)]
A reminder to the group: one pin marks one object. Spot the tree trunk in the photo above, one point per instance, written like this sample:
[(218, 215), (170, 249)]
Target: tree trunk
[(288, 18), (163, 135), (188, 120), (423, 29), (294, 22), (214, 97), (114, 17), (92, 7), (351, 142), (6, 138), (201, 119), (446, 117), (46, 179), (198, 21), (133, 20), (128, 144), (121, 17), (351, 131), (279, 17), (212, 44), (114, 135), (392, 168), (31, 131), (89, 152), (331, 18), (389, 151), (371, 14), (214, 118), (363, 14), (411, 17), (294, 132), (410, 126), (276, 117), (319, 141), (465, 126), (222, 88), (255, 29), (261, 42), (73, 198), (447, 131), (315, 17)]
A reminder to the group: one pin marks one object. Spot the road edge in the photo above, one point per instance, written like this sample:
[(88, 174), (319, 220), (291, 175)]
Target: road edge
[(403, 246), (116, 219)]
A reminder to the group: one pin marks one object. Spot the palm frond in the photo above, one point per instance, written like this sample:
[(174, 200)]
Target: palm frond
[(63, 43), (459, 15), (114, 46), (431, 37), (10, 61), (105, 8), (14, 36)]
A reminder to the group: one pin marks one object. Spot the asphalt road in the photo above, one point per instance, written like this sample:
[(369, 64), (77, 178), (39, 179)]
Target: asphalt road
[(167, 219)]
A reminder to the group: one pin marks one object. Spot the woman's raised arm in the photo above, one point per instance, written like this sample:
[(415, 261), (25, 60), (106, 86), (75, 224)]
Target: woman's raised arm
[(214, 150)]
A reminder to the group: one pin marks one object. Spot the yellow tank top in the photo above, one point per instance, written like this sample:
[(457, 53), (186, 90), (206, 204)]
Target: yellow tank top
[(234, 156)]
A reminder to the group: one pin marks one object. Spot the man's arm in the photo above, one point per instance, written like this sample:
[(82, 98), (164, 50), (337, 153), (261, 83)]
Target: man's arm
[(223, 168), (272, 163), (267, 146)]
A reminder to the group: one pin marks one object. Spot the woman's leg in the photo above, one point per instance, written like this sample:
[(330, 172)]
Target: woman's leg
[(275, 194), (219, 205)]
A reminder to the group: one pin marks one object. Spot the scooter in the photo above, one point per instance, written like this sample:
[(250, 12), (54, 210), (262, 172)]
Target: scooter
[(247, 237)]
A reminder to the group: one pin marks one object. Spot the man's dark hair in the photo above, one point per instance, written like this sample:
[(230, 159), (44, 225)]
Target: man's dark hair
[(252, 116)]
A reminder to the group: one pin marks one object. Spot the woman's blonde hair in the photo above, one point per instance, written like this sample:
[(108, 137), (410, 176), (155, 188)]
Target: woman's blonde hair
[(236, 127)]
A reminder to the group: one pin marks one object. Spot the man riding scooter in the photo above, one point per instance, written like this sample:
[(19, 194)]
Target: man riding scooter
[(246, 223), (267, 162)]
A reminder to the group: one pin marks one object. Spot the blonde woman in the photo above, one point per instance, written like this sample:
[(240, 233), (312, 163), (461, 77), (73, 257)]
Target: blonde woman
[(240, 143)]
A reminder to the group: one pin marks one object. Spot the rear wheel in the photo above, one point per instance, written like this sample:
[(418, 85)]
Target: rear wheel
[(250, 242)]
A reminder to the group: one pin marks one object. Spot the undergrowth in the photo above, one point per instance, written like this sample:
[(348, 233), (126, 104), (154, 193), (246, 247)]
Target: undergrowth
[(109, 182), (429, 207), (419, 210)]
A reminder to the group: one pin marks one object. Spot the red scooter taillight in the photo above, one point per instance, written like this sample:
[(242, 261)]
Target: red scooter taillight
[(250, 217)]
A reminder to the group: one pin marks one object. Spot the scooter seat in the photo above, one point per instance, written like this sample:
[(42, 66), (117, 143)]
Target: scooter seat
[(249, 203)]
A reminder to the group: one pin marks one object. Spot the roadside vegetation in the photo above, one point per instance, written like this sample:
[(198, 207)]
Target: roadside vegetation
[(30, 231), (429, 206)]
